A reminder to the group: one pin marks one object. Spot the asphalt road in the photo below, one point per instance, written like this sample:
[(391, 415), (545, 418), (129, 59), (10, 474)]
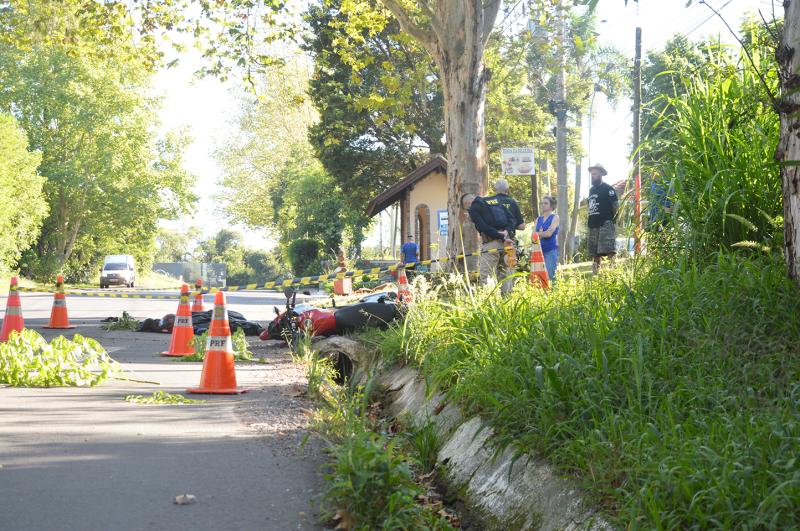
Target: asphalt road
[(254, 305), (85, 459)]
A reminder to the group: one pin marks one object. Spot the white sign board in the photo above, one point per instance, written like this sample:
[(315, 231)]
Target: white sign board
[(518, 161)]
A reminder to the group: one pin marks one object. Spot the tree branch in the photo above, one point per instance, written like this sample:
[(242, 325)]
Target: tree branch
[(409, 26)]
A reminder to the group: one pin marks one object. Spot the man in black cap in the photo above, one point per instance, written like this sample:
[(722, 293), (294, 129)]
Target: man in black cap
[(603, 207)]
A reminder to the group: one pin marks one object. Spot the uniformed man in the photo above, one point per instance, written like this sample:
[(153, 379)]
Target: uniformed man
[(496, 218)]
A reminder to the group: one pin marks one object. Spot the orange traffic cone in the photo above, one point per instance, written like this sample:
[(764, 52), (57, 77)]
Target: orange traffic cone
[(538, 270), (182, 330), (198, 297), (219, 374), (13, 320), (59, 318), (403, 291)]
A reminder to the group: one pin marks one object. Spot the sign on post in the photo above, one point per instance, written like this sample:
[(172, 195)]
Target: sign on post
[(442, 215), (518, 161)]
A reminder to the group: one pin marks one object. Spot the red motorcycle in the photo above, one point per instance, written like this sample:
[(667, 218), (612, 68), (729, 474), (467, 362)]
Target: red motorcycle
[(377, 310)]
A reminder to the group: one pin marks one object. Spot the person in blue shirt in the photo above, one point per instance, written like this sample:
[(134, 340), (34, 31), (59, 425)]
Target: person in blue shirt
[(660, 204), (547, 229), (410, 251)]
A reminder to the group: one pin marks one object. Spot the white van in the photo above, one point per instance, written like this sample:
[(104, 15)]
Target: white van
[(118, 269)]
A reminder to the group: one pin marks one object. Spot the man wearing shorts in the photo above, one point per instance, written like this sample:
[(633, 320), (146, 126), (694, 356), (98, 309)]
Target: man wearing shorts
[(603, 206)]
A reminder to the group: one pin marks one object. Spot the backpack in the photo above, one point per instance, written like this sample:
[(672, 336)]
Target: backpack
[(500, 216)]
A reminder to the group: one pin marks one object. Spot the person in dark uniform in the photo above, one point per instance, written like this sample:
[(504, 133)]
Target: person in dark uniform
[(496, 218), (603, 207)]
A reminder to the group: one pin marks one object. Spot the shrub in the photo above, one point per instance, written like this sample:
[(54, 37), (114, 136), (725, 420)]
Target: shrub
[(304, 257)]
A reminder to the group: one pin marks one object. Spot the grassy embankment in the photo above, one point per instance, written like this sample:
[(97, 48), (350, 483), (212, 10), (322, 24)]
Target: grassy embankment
[(673, 393)]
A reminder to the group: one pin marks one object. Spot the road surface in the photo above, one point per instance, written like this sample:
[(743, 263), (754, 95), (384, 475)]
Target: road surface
[(86, 459)]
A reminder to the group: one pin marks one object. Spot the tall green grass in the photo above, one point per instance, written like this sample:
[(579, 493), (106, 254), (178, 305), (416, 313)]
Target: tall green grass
[(714, 147), (672, 392)]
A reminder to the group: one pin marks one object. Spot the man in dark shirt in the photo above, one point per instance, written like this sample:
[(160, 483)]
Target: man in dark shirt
[(513, 213), (603, 206), (496, 218)]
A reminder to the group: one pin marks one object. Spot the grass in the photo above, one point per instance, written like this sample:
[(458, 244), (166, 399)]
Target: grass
[(162, 398), (673, 392), (373, 481), (126, 322), (241, 349)]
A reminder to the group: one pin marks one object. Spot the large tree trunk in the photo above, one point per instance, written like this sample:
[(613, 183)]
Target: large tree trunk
[(467, 173), (788, 153), (454, 32)]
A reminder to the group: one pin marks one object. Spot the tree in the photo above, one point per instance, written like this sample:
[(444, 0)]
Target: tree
[(173, 246), (109, 179), (788, 152), (22, 203), (378, 98), (455, 34)]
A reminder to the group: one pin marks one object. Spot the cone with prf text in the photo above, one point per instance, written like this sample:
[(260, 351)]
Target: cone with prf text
[(59, 318), (403, 291), (538, 270), (198, 296), (219, 374), (13, 319), (182, 330)]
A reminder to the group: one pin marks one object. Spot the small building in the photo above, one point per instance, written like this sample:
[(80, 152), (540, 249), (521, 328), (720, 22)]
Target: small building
[(422, 195)]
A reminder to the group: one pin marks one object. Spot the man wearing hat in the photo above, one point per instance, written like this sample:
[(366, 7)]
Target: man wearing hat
[(603, 206)]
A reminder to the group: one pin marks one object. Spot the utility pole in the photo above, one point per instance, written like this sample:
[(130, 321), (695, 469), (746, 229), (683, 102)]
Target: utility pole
[(561, 130), (637, 126)]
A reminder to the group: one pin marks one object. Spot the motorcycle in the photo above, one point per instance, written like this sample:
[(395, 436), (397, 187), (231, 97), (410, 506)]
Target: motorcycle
[(298, 320), (377, 310)]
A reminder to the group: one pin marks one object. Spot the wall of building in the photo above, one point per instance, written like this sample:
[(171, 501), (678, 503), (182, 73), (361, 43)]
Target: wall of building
[(430, 191)]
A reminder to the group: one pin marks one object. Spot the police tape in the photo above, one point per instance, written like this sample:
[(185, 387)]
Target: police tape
[(278, 284), (356, 273), (103, 294)]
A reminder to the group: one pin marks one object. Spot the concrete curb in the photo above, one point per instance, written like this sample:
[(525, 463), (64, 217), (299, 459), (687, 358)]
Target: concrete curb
[(503, 492)]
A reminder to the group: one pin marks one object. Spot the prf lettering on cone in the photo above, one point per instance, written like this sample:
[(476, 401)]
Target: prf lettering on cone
[(59, 318), (219, 373), (182, 330), (538, 276), (13, 319), (198, 297)]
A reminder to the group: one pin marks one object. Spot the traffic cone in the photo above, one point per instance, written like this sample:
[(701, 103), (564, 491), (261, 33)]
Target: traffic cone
[(538, 270), (13, 320), (59, 318), (219, 374), (403, 291), (198, 297), (182, 330)]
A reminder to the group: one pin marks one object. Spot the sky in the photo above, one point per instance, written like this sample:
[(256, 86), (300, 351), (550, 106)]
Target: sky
[(207, 108)]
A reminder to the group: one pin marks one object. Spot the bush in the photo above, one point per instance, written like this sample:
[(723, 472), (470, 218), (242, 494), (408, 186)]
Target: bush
[(671, 390), (27, 360), (304, 257)]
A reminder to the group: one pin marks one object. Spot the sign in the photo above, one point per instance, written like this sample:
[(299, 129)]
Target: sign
[(442, 222), (518, 161)]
